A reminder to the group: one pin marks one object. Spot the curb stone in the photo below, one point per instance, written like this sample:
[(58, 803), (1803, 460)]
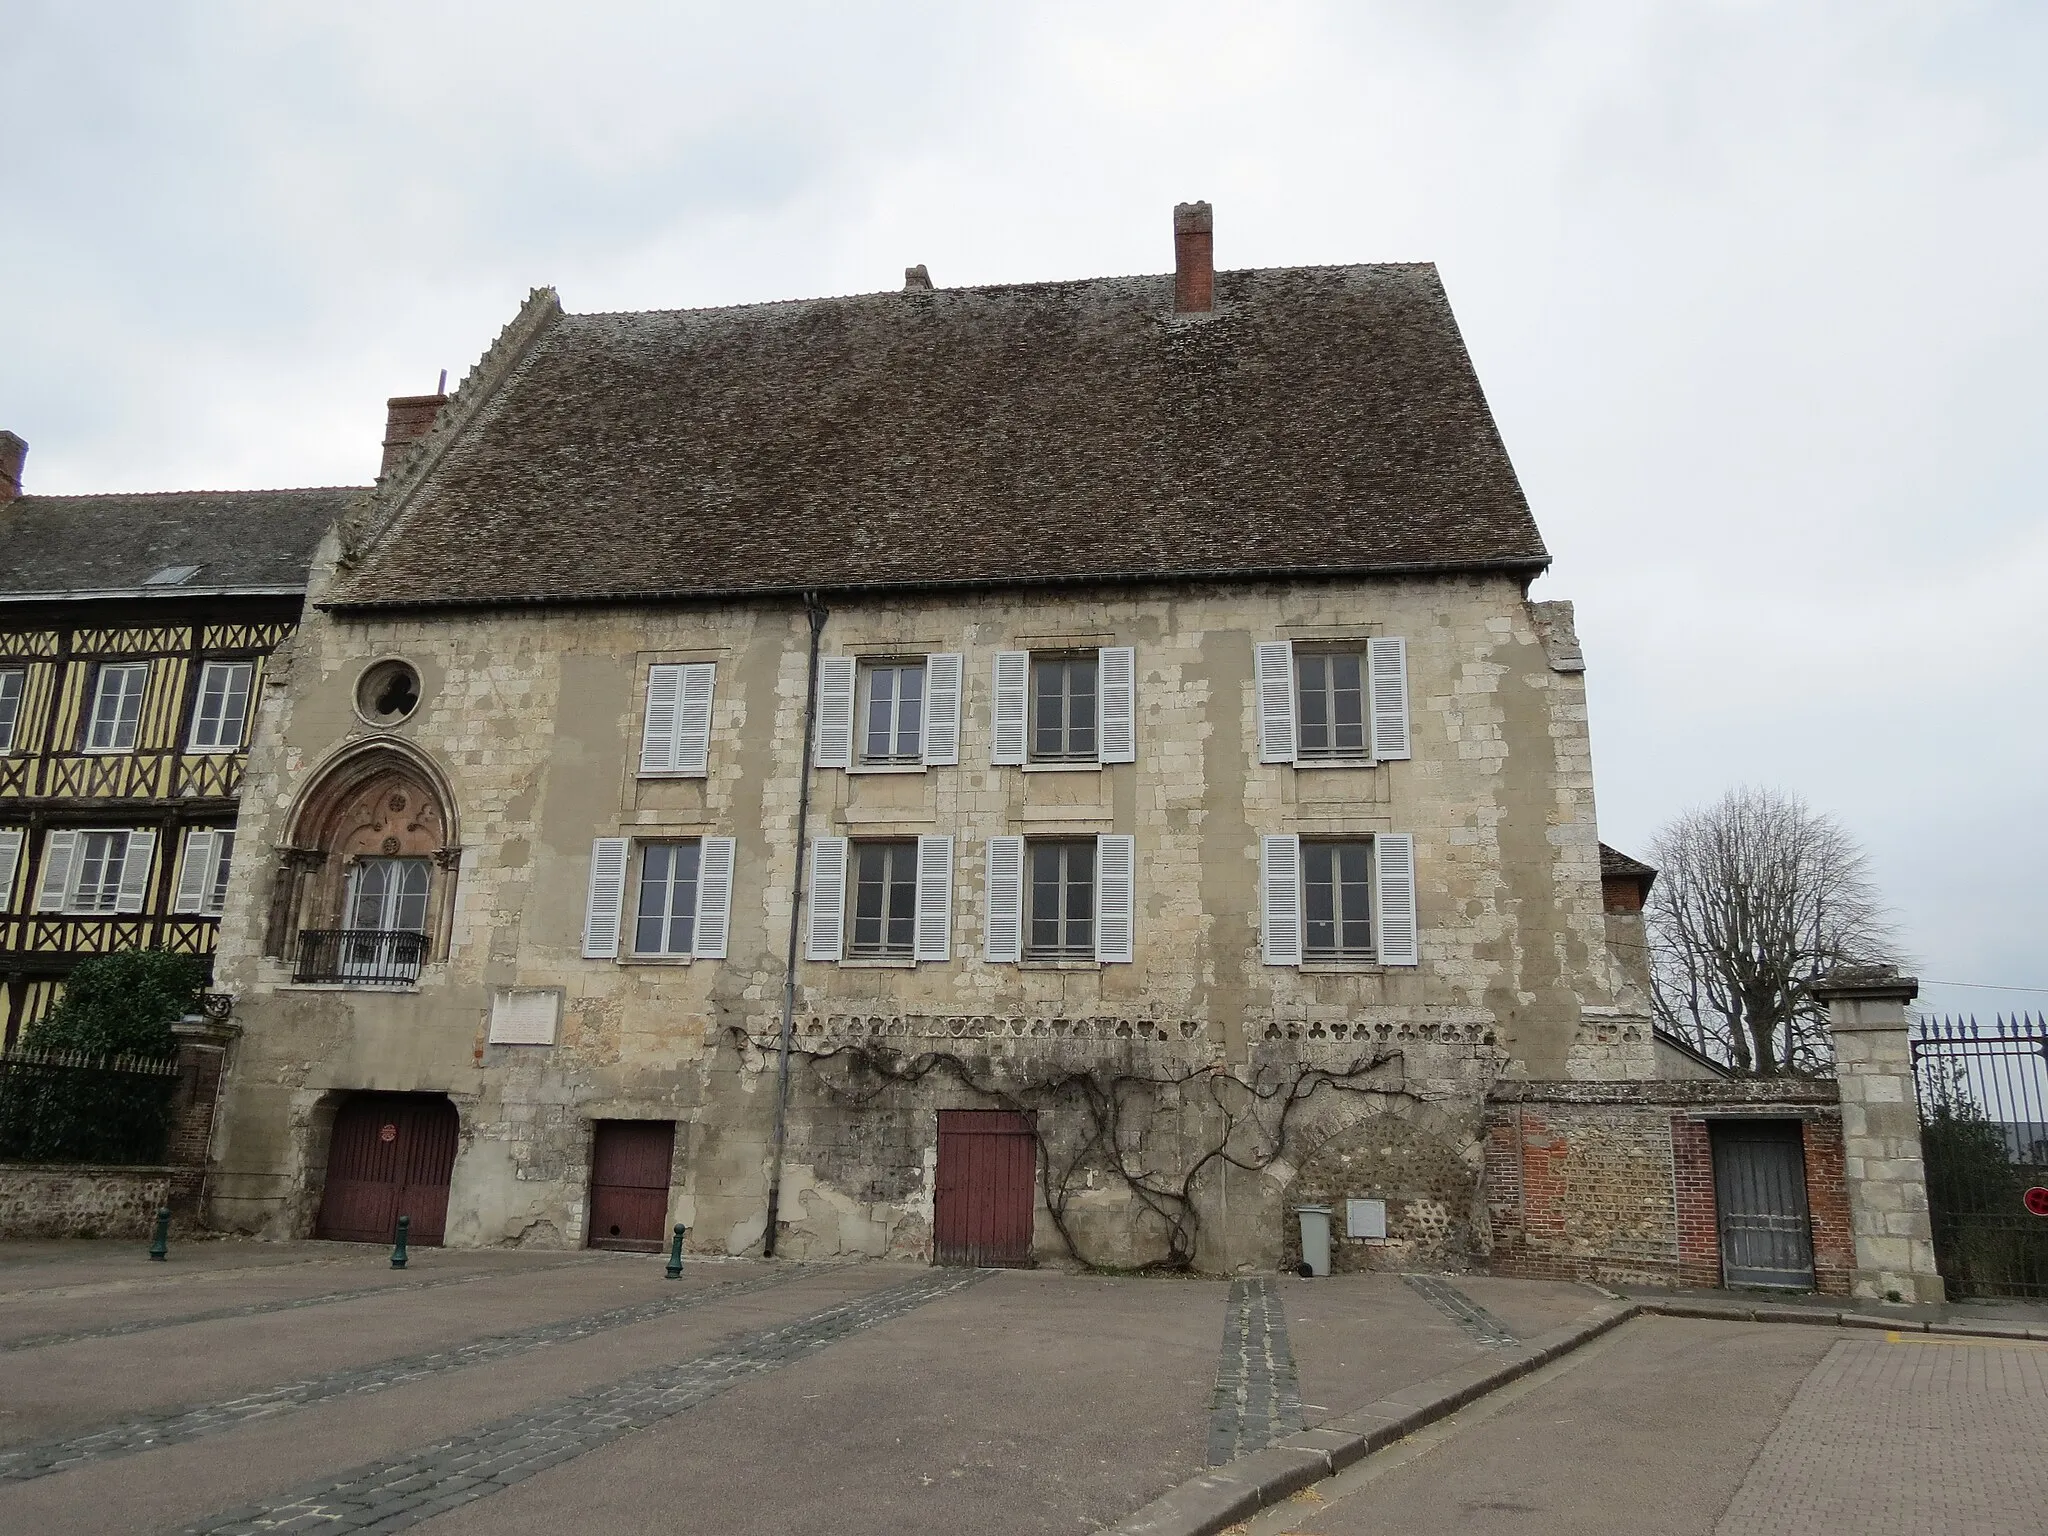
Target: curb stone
[(1222, 1496)]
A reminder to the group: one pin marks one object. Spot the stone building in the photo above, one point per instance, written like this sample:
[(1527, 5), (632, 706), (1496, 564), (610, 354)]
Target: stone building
[(1052, 769)]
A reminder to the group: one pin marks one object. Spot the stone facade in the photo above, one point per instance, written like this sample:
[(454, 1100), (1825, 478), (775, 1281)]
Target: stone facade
[(528, 724)]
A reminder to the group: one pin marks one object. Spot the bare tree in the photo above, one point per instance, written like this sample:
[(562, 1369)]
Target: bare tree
[(1756, 896)]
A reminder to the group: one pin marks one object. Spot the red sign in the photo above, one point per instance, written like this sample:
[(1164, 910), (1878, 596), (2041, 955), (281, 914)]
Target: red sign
[(2037, 1200), (390, 1133)]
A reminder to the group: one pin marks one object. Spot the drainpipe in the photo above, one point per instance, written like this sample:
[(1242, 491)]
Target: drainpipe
[(817, 612)]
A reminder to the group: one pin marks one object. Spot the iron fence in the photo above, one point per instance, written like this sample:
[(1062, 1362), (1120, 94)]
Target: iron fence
[(68, 1107), (368, 957), (1984, 1133)]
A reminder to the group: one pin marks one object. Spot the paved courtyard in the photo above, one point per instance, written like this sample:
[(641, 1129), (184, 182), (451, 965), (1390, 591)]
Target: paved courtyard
[(246, 1387)]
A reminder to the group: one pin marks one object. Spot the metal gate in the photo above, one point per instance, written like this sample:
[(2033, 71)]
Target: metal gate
[(391, 1155), (629, 1165), (1760, 1197), (987, 1187), (1984, 1136)]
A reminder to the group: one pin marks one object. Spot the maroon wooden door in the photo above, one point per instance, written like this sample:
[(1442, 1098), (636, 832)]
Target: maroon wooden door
[(629, 1163), (391, 1155), (987, 1187)]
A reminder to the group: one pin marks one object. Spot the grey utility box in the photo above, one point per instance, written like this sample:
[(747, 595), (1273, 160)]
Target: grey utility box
[(1315, 1238)]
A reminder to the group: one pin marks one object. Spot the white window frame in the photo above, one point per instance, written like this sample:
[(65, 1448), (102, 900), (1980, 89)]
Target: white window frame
[(125, 876), (1013, 740), (101, 698), (1391, 895), (202, 726), (1006, 912), (895, 849), (13, 691), (863, 703), (1277, 716), (675, 728), (637, 894), (203, 872), (615, 874)]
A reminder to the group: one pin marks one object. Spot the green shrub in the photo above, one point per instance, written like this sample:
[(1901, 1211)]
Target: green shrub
[(122, 1005)]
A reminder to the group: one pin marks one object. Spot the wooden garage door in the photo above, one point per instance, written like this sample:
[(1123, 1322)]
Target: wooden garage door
[(987, 1187), (629, 1163), (391, 1155)]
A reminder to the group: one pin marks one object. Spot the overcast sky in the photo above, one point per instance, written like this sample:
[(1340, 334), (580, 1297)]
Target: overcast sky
[(1756, 291)]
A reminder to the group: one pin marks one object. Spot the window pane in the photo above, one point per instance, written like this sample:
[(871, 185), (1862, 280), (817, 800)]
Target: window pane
[(1049, 734), (910, 712), (223, 852), (903, 899), (651, 921), (1081, 708), (881, 711), (409, 910), (1348, 702), (1314, 721), (682, 898), (869, 896), (10, 707), (1045, 896)]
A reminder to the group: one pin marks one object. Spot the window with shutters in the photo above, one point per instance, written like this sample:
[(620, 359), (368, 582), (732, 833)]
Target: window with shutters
[(1063, 699), (217, 887), (891, 713), (96, 870), (884, 900), (1333, 705), (1060, 913), (12, 680), (675, 733), (1336, 888), (665, 906), (222, 710), (116, 707)]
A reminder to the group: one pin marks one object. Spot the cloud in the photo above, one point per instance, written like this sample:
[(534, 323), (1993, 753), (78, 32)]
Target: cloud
[(1753, 288)]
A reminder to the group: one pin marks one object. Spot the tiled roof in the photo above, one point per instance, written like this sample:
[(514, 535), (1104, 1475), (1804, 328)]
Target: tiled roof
[(1615, 865), (1320, 420), (239, 541)]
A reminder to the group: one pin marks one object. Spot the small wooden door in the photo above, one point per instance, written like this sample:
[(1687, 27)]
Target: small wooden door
[(629, 1164), (987, 1187), (1760, 1196), (391, 1155)]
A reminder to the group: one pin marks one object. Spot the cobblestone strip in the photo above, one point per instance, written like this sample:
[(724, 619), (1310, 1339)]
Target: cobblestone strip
[(1461, 1309), (1256, 1400), (391, 1495), (291, 1304), (22, 1463)]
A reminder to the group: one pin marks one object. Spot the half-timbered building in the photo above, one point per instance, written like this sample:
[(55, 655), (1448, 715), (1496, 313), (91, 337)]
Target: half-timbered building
[(135, 634)]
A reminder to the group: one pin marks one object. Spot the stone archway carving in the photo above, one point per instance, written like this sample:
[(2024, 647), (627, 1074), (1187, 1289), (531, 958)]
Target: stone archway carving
[(379, 799)]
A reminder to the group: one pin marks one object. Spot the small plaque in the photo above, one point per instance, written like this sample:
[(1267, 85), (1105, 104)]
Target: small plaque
[(387, 1133), (1366, 1219), (525, 1015), (2037, 1200)]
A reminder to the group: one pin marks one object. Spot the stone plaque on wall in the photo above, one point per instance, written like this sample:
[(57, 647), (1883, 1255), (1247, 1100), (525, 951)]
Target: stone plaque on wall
[(525, 1015)]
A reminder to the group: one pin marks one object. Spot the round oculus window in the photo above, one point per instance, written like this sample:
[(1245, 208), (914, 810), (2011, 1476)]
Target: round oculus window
[(388, 693)]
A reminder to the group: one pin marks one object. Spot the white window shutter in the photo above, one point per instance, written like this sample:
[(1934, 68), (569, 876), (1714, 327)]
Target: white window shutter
[(834, 746), (195, 874), (1002, 940), (10, 865), (693, 721), (1116, 732), (135, 870), (1116, 896), (943, 675), (825, 937), (658, 732), (1393, 860), (1275, 668), (606, 899), (58, 849), (1280, 899), (1012, 695), (935, 897), (1386, 664), (715, 862)]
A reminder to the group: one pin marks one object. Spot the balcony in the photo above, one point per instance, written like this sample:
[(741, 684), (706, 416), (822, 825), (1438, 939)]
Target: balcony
[(360, 957)]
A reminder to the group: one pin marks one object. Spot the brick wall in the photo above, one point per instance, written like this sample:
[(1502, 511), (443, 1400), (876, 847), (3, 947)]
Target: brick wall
[(1615, 1181)]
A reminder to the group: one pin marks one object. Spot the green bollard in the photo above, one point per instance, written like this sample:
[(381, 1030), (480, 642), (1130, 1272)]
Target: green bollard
[(398, 1250), (160, 1245), (675, 1254)]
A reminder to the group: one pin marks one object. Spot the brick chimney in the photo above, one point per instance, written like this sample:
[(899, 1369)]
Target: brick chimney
[(1194, 259), (12, 452), (407, 419)]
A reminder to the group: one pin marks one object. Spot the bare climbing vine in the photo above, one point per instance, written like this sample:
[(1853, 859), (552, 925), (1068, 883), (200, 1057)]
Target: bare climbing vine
[(1254, 1113)]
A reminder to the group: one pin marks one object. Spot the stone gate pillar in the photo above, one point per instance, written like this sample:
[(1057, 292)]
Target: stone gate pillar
[(1887, 1183)]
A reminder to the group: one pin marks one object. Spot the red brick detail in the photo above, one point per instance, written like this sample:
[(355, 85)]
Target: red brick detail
[(407, 419), (1692, 1181), (1194, 258), (1827, 1204)]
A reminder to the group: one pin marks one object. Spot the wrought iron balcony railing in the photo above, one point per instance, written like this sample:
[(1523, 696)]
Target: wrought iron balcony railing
[(366, 957)]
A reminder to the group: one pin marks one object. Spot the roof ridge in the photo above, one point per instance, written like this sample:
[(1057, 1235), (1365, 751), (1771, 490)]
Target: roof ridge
[(393, 493), (925, 294), (277, 490)]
